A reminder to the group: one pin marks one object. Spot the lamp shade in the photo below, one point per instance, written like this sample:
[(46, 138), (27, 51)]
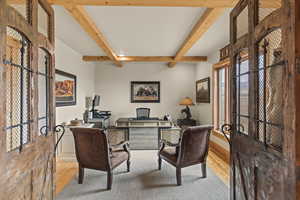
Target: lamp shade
[(186, 102)]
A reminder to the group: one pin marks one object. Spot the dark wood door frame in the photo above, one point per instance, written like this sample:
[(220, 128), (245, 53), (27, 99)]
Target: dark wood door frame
[(258, 170), (28, 173)]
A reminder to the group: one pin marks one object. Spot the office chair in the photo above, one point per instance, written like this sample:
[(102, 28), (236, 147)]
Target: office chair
[(192, 149), (94, 152), (142, 113)]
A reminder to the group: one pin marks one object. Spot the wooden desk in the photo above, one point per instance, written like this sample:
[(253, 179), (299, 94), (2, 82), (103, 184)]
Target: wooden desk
[(143, 134)]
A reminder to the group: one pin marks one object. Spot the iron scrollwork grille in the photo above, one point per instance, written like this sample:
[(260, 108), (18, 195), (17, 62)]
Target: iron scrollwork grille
[(270, 90), (44, 78), (18, 75)]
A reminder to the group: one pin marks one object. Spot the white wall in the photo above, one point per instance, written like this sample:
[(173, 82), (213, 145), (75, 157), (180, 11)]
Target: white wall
[(204, 70), (113, 84), (205, 110), (68, 60)]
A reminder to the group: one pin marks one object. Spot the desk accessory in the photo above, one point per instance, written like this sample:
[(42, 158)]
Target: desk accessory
[(187, 102)]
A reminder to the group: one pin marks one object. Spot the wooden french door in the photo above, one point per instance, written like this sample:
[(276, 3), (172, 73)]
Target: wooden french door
[(27, 108), (263, 116)]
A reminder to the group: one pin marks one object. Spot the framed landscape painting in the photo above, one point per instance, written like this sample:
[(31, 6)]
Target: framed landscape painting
[(145, 91), (203, 90), (65, 88)]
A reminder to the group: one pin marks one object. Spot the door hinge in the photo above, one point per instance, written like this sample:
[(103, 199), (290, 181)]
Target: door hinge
[(298, 65)]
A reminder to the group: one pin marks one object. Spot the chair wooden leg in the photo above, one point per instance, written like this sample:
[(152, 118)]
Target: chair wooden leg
[(109, 180), (81, 175), (128, 165), (178, 175), (159, 163), (203, 168), (126, 148)]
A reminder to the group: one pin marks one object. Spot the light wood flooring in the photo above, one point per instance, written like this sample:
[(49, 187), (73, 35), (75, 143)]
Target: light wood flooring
[(66, 171), (219, 166)]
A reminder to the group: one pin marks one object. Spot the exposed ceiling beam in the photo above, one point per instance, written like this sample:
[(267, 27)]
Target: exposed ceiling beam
[(81, 16), (161, 3), (204, 23), (146, 58), (155, 3), (158, 3)]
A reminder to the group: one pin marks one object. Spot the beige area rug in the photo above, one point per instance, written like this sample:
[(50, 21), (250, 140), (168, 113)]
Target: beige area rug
[(145, 182)]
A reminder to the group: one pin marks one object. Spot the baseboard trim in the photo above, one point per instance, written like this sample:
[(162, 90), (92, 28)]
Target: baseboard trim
[(220, 151)]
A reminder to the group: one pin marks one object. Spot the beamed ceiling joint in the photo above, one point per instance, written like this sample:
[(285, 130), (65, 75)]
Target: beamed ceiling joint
[(160, 3), (145, 59), (207, 19), (86, 22), (214, 10)]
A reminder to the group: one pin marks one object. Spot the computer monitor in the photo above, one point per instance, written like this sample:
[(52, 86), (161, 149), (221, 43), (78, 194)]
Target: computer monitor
[(96, 101)]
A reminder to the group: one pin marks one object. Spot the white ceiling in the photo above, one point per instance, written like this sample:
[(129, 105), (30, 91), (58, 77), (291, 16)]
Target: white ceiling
[(70, 32), (215, 38), (142, 31)]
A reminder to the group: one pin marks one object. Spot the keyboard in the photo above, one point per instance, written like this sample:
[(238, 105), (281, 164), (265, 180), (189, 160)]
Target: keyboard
[(150, 118)]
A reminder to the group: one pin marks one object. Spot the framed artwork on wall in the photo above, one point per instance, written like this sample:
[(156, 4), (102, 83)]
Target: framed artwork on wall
[(65, 88), (145, 92), (203, 90)]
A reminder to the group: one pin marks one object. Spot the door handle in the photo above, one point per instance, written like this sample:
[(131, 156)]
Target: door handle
[(227, 130), (57, 129)]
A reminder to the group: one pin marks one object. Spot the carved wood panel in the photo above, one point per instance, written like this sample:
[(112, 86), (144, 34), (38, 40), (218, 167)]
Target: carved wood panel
[(26, 172), (269, 177)]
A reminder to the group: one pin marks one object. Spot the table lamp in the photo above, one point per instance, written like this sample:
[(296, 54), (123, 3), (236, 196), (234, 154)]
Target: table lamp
[(187, 102)]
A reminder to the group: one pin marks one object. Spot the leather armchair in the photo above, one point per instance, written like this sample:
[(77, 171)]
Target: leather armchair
[(94, 152), (192, 149)]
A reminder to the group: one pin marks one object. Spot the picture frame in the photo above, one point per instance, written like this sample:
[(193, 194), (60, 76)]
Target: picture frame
[(203, 90), (145, 91), (65, 88)]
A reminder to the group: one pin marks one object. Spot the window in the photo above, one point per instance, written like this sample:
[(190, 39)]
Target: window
[(270, 70), (18, 76), (221, 94), (242, 92), (221, 88)]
